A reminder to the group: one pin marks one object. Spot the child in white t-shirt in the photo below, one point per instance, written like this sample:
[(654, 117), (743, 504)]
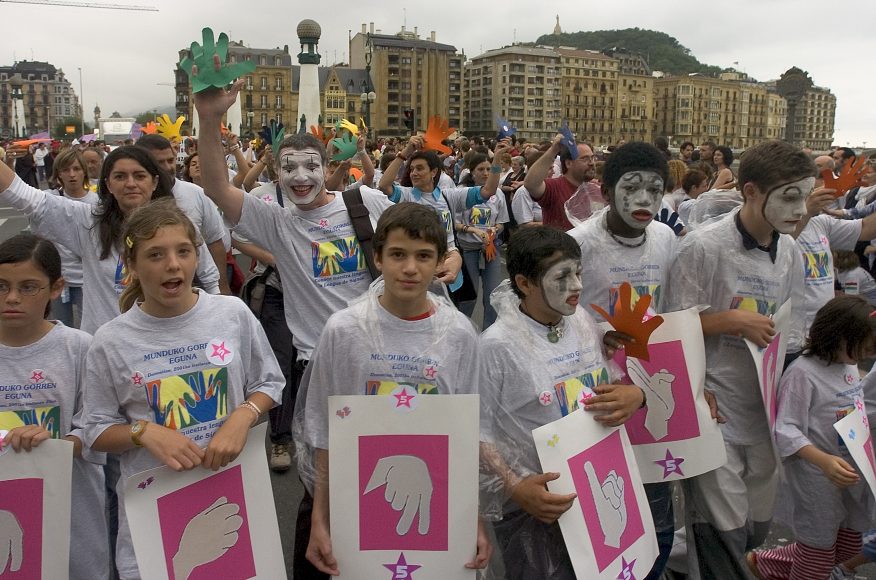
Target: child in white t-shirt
[(830, 504), (397, 319), (541, 357), (43, 363), (180, 377)]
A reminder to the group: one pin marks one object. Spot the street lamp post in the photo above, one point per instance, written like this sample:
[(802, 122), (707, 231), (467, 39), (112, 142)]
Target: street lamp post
[(81, 104), (368, 95)]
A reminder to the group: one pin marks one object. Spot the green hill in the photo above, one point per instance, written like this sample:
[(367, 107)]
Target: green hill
[(663, 52)]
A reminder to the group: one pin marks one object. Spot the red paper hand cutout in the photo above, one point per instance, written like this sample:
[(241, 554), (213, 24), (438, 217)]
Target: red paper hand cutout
[(849, 177), (436, 132), (490, 249), (629, 320)]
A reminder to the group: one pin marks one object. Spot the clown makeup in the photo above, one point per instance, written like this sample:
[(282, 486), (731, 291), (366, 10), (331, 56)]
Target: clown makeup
[(785, 205), (302, 175), (561, 286), (637, 198)]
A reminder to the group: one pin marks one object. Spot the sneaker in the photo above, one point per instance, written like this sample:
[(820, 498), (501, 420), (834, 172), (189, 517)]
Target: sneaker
[(281, 459), (839, 573)]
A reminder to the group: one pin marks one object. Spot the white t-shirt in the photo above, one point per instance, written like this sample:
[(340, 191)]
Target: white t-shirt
[(858, 281), (187, 373), (73, 225), (607, 264), (71, 264), (526, 381), (482, 215), (713, 268), (42, 384), (191, 198), (812, 397), (822, 234), (317, 256), (365, 350), (460, 199), (524, 208)]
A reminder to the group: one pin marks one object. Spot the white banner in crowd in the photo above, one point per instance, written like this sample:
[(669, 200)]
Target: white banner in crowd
[(674, 436), (609, 531), (395, 508), (201, 524), (855, 433), (770, 361), (35, 511)]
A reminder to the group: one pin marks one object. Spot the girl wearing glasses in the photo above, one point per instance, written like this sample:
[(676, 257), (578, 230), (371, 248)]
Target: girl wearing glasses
[(42, 367)]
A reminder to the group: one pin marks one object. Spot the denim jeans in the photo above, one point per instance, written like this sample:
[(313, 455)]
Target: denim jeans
[(489, 276), (63, 311)]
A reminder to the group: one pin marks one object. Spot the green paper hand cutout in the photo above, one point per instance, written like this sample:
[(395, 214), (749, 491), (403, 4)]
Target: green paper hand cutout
[(203, 57), (345, 146)]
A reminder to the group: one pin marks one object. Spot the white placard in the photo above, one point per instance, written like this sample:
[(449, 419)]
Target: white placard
[(674, 436), (217, 524), (403, 485), (608, 531), (770, 361), (35, 490), (854, 430)]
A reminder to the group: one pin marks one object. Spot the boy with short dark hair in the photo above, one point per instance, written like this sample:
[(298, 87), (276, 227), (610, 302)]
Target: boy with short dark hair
[(397, 319), (744, 267), (540, 360)]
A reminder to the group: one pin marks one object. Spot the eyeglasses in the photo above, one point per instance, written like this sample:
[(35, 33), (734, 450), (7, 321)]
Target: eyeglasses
[(26, 289)]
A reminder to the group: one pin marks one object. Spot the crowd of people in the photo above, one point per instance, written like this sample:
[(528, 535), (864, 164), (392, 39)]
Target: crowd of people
[(131, 267)]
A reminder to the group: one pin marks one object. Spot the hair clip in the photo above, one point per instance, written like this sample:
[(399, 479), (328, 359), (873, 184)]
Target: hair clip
[(129, 241)]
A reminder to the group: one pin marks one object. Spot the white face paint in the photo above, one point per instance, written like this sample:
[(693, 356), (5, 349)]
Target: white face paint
[(561, 285), (637, 197), (785, 205), (302, 175)]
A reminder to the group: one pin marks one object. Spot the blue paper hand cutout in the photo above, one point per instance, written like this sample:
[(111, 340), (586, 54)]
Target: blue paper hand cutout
[(670, 218), (569, 140)]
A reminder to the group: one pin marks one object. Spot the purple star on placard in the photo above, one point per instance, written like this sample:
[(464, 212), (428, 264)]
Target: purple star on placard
[(626, 572), (670, 464), (401, 570)]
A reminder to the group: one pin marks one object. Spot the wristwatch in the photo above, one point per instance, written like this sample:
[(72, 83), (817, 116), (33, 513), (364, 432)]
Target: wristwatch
[(137, 430)]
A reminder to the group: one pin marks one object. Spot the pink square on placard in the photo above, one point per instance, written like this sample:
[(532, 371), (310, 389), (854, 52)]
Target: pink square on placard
[(683, 423), (397, 464), (177, 509), (23, 499), (769, 379), (612, 537), (868, 449)]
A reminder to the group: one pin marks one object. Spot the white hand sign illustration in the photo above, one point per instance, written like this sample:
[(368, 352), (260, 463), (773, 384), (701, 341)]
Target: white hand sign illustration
[(207, 537), (661, 403), (408, 488), (11, 534), (610, 506)]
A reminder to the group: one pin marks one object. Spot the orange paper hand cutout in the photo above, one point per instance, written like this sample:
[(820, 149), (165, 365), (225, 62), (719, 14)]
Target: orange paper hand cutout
[(149, 128), (224, 130), (629, 320), (849, 177), (323, 135), (490, 249), (437, 132)]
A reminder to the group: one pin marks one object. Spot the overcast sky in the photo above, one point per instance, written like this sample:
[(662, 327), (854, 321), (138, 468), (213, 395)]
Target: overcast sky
[(127, 58)]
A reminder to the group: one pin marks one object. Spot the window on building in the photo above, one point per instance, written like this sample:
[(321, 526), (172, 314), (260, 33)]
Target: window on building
[(279, 83), (264, 83)]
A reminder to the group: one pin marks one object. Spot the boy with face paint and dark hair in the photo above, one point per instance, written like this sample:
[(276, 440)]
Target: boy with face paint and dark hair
[(542, 359), (744, 267), (398, 319), (623, 243)]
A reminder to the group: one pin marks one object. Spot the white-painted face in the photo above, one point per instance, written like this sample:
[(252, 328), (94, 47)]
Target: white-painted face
[(785, 205), (302, 175), (637, 198), (561, 286)]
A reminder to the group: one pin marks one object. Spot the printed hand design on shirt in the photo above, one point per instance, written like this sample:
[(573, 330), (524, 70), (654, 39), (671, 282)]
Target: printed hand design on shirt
[(207, 537), (610, 506), (408, 488), (202, 56), (11, 537), (661, 403)]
